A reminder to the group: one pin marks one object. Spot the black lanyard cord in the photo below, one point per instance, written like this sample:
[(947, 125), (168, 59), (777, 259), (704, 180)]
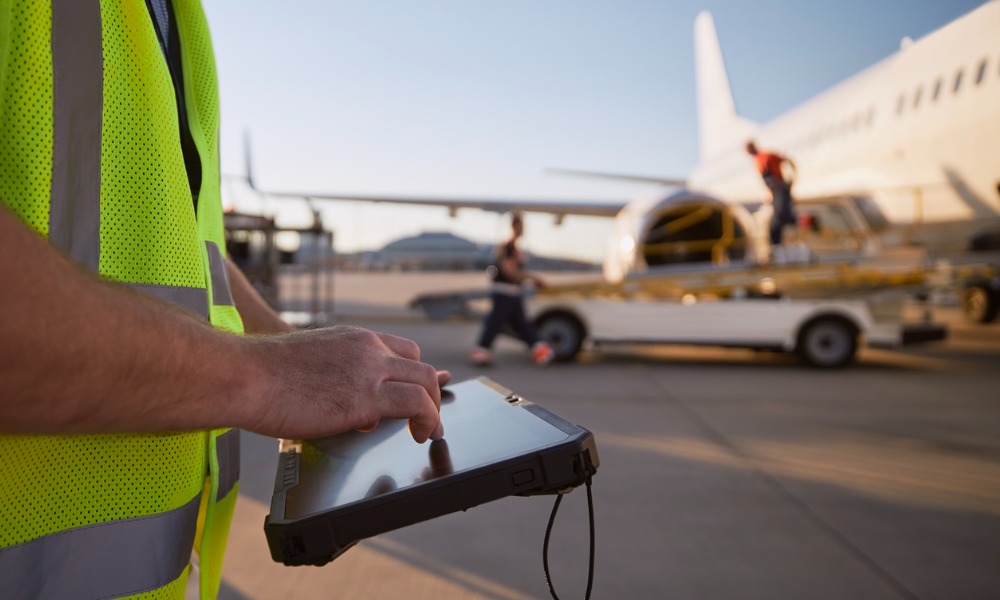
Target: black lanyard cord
[(548, 532)]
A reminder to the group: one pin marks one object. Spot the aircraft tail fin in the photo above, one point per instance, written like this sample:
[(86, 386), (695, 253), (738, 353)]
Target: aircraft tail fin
[(719, 126), (248, 159)]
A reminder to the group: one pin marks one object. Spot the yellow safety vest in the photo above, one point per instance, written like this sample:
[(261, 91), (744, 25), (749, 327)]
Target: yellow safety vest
[(90, 158)]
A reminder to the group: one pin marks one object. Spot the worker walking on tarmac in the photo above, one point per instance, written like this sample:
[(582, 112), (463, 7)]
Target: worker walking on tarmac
[(769, 165), (123, 371), (508, 304)]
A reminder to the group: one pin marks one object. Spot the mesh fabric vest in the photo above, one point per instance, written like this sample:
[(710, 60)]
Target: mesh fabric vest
[(90, 158)]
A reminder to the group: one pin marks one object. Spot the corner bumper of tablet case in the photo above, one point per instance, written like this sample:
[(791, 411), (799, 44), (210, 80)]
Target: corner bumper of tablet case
[(563, 476)]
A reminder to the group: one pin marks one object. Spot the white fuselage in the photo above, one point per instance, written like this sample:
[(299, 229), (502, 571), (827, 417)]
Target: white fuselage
[(918, 133)]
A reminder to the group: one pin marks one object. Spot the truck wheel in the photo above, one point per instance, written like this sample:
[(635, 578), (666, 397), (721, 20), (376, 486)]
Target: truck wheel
[(563, 333), (981, 304), (828, 342)]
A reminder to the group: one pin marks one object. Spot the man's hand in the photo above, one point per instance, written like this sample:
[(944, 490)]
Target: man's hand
[(327, 381)]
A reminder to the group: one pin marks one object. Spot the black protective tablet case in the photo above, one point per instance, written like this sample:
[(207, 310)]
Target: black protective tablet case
[(331, 493)]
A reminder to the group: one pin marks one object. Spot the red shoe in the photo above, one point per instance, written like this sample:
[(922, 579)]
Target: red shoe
[(481, 357), (542, 353)]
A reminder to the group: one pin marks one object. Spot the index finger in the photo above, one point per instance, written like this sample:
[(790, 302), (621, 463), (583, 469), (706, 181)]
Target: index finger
[(403, 370), (412, 402)]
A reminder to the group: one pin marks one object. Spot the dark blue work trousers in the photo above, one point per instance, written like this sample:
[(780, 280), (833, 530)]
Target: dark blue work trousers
[(782, 211), (507, 312)]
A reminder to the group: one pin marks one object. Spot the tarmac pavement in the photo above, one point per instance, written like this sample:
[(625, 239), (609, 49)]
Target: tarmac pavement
[(724, 474)]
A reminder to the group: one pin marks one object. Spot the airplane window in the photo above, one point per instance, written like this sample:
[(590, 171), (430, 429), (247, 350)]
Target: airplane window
[(958, 81), (937, 89), (981, 72), (900, 103), (916, 96)]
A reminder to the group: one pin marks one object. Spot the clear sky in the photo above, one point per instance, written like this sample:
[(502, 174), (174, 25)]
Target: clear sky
[(475, 98)]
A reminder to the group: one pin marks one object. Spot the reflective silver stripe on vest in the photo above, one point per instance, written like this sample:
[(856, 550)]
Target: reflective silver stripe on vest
[(103, 560), (77, 105), (221, 295), (227, 450), (189, 298)]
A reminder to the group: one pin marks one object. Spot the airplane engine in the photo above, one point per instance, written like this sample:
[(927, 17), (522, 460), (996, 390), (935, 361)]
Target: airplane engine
[(682, 228)]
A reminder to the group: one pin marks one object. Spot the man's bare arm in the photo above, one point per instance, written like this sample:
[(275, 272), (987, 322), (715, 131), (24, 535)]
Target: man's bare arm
[(82, 355), (257, 316)]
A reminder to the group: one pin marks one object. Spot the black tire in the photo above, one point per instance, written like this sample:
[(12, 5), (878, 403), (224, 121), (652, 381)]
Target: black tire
[(981, 304), (828, 342), (563, 332)]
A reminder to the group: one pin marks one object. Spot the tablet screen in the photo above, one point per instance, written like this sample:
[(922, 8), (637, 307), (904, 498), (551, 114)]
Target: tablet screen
[(480, 428)]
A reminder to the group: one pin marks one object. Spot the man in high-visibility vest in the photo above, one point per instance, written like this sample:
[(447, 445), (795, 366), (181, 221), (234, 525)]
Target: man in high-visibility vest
[(122, 367)]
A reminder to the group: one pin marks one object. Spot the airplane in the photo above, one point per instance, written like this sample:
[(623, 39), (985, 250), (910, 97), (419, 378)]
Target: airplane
[(906, 149)]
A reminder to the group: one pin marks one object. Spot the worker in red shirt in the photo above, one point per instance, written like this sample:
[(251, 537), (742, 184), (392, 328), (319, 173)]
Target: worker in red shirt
[(769, 166)]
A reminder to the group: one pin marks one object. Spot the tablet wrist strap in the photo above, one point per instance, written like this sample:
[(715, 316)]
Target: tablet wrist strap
[(548, 533)]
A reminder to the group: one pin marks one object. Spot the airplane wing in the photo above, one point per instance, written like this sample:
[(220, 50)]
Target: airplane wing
[(673, 182), (593, 208)]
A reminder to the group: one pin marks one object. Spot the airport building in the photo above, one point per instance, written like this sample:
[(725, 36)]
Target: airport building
[(429, 251)]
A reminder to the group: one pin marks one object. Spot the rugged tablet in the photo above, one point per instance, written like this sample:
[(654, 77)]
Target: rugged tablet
[(332, 492)]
